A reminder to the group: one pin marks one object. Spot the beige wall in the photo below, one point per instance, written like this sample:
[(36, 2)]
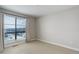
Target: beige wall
[(61, 28)]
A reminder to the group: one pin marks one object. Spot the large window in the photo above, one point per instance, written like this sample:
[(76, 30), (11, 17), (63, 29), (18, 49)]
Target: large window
[(14, 28)]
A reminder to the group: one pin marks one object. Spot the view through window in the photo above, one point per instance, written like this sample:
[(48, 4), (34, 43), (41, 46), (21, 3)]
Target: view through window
[(14, 28)]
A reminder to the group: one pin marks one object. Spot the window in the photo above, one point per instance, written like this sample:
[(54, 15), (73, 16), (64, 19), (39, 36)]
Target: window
[(14, 28)]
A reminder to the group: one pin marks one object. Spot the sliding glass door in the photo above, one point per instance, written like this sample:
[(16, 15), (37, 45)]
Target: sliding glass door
[(9, 29), (20, 28), (14, 28)]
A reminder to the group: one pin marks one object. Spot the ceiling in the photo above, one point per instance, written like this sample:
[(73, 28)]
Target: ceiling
[(37, 10)]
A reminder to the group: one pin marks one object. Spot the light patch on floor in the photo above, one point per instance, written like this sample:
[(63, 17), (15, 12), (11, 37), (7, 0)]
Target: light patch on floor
[(38, 47)]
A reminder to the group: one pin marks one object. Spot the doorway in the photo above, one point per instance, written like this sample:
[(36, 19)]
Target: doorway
[(14, 29)]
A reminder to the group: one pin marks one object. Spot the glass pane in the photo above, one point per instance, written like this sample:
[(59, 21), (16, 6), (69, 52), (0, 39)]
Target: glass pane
[(9, 26), (21, 21), (9, 29), (21, 25), (9, 19)]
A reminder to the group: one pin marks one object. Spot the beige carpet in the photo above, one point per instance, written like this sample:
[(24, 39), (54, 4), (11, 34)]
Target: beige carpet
[(37, 47)]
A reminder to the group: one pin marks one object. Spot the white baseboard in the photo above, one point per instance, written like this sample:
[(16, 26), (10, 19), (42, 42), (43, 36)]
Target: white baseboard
[(58, 44)]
